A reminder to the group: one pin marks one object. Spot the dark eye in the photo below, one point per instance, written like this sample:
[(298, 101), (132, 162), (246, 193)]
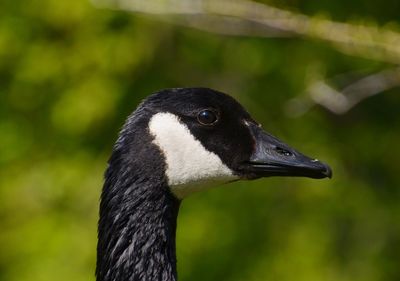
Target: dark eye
[(207, 117)]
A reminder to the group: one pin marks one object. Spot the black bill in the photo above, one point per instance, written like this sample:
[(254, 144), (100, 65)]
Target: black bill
[(272, 157)]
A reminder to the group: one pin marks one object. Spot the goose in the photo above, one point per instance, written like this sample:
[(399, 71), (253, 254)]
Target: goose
[(177, 142)]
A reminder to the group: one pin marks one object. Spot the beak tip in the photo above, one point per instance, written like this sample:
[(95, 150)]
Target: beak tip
[(328, 171)]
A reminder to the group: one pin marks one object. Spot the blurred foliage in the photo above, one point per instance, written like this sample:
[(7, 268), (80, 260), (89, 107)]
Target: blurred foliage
[(71, 73)]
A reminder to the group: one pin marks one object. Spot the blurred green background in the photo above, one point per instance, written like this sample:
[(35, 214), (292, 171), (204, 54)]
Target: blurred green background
[(70, 73)]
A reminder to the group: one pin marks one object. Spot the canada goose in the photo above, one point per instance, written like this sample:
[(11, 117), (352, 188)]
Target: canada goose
[(178, 141)]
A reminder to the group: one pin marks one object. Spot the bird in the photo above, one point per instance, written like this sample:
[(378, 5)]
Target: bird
[(177, 142)]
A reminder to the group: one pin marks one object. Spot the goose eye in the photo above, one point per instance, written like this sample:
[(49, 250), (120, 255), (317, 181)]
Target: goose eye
[(207, 117)]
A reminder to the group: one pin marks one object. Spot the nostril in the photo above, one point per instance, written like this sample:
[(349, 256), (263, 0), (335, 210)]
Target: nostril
[(283, 151)]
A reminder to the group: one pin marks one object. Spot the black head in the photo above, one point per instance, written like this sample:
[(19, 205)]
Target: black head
[(205, 135)]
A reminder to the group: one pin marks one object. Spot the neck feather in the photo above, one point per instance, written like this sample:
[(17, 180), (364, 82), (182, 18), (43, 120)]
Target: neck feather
[(138, 214), (137, 238)]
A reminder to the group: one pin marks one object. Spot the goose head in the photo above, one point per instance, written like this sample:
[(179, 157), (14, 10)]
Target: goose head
[(207, 138)]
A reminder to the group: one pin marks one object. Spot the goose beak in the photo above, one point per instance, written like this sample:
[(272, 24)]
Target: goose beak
[(272, 157)]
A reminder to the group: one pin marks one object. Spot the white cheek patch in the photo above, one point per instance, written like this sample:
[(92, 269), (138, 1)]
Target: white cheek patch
[(188, 163)]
